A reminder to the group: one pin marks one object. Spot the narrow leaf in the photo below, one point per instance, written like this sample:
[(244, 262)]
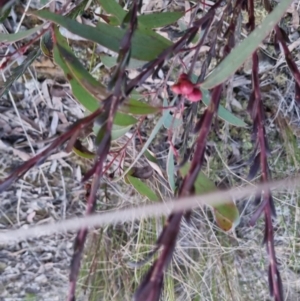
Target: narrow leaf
[(119, 131), (4, 12), (202, 184), (46, 44), (137, 107), (156, 20), (124, 120), (226, 214), (81, 151), (80, 93), (222, 112), (122, 124), (166, 115), (153, 134), (14, 37), (142, 188), (113, 8), (169, 119), (87, 90), (145, 46), (240, 53), (84, 87), (20, 70), (171, 169), (110, 61)]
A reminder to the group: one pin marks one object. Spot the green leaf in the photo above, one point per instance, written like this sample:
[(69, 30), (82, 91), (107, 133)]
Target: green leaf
[(166, 115), (150, 156), (122, 124), (81, 151), (119, 131), (171, 169), (137, 107), (44, 2), (202, 184), (222, 112), (156, 20), (136, 95), (145, 46), (142, 188), (244, 50), (226, 214), (87, 90), (113, 8), (111, 20), (150, 34), (153, 134), (110, 61), (100, 135), (124, 120), (78, 9), (14, 37), (170, 120), (46, 44), (20, 70), (4, 12)]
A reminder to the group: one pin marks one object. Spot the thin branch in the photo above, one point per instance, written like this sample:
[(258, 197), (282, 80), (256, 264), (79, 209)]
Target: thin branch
[(257, 114), (151, 210)]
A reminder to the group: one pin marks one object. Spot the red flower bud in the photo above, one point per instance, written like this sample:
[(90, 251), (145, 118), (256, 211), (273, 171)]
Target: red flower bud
[(195, 96), (183, 76), (176, 88), (186, 86)]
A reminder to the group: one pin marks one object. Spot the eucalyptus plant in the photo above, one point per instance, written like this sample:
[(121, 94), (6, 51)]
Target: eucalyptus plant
[(117, 108)]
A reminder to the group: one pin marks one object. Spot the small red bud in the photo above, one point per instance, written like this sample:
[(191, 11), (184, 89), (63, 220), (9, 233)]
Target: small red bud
[(186, 86), (176, 88), (195, 96), (183, 76)]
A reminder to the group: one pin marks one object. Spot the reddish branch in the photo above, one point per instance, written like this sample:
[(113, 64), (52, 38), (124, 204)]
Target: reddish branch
[(267, 206), (107, 112), (111, 106), (151, 286)]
